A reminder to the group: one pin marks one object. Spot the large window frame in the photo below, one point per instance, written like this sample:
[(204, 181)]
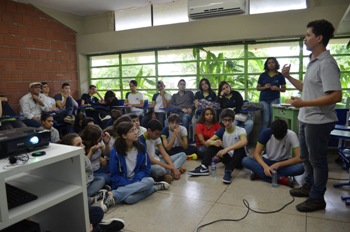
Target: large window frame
[(235, 62)]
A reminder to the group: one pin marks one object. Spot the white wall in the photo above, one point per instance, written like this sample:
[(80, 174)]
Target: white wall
[(231, 28)]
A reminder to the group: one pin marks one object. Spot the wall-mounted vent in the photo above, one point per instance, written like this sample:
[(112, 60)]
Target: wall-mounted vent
[(198, 9)]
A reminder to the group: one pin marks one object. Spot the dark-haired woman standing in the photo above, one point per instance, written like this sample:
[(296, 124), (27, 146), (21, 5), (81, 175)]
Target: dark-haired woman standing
[(270, 83)]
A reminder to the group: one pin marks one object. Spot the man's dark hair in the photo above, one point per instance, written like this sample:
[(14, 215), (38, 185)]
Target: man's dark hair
[(174, 118), (182, 80), (227, 113), (133, 82), (43, 83), (65, 84), (44, 116), (322, 27), (154, 125), (92, 86), (279, 128), (132, 116)]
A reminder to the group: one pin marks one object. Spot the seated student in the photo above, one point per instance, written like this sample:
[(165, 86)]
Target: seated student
[(112, 130), (49, 101), (66, 102), (174, 137), (100, 111), (163, 168), (276, 144), (93, 183), (32, 105), (47, 124), (130, 169), (206, 127), (228, 145), (159, 100), (229, 98), (135, 119), (7, 122), (134, 99), (96, 149), (205, 92)]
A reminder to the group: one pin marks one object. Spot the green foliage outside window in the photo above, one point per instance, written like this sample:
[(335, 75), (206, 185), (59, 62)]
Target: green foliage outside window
[(240, 65)]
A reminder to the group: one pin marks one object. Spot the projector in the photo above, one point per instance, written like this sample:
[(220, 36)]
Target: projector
[(21, 140)]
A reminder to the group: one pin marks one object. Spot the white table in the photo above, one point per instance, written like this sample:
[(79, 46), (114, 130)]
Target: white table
[(58, 179)]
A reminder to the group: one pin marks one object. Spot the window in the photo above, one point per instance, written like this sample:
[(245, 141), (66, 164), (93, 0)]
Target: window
[(239, 64)]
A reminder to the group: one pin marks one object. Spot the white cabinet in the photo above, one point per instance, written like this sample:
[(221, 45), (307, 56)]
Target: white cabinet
[(58, 179)]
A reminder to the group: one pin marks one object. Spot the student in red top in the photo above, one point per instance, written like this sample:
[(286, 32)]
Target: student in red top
[(206, 126)]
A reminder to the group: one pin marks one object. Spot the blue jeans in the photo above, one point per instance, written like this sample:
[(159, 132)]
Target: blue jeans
[(104, 172), (292, 170), (178, 160), (247, 125), (313, 146), (132, 193), (267, 112), (95, 185)]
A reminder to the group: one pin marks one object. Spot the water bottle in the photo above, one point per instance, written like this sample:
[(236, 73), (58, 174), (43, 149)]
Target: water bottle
[(274, 178), (213, 168)]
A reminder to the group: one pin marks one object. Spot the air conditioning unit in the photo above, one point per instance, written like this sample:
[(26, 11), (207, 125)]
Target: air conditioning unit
[(198, 9)]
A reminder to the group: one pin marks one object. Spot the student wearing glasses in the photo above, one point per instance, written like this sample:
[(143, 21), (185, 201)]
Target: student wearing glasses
[(227, 145)]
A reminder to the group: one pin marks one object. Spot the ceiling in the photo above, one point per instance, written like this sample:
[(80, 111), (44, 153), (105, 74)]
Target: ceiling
[(93, 7)]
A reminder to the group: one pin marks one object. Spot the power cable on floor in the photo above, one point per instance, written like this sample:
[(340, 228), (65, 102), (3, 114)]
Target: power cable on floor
[(246, 204)]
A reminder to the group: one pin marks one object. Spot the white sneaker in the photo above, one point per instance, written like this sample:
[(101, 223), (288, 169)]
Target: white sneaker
[(107, 117), (113, 224), (108, 202), (162, 185)]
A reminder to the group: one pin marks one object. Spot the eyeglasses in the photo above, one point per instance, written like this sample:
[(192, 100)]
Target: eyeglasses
[(227, 120), (133, 130)]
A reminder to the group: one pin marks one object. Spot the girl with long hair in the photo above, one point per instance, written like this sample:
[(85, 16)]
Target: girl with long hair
[(130, 169), (206, 126)]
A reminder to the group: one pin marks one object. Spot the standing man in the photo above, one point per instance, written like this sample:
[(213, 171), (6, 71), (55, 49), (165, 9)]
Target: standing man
[(183, 102), (32, 105), (321, 90)]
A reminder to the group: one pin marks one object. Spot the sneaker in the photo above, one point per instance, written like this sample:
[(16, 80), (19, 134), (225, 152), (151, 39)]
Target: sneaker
[(161, 185), (303, 191), (201, 170), (285, 180), (107, 187), (107, 117), (311, 205), (168, 178), (107, 202), (100, 195), (254, 176), (111, 225), (69, 119), (227, 179)]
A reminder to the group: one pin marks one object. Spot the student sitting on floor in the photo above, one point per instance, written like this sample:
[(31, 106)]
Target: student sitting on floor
[(174, 137), (47, 124), (164, 167), (276, 144), (228, 145)]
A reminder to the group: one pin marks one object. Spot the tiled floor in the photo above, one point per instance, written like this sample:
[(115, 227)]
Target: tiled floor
[(194, 201)]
